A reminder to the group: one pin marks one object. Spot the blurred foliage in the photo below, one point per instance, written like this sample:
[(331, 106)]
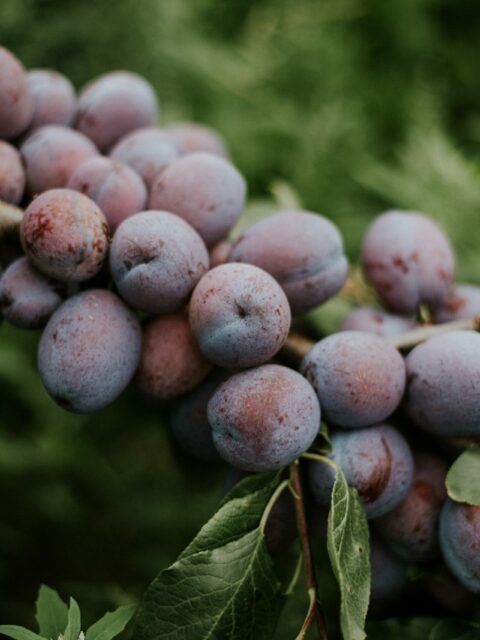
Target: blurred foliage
[(354, 105)]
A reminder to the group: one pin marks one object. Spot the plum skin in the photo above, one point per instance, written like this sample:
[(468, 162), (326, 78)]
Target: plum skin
[(189, 421), (148, 151), (408, 260), (114, 104), (463, 302), (264, 418), (192, 137), (411, 529), (377, 321), (377, 461), (89, 351), (301, 250), (203, 189), (54, 99), (16, 104), (156, 259), (359, 377), (239, 315), (443, 376), (27, 297), (389, 573), (65, 235), (171, 363), (116, 188), (12, 174), (51, 154), (460, 542)]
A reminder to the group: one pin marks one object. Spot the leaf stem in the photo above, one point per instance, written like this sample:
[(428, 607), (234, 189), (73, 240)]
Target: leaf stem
[(319, 458), (315, 610), (310, 613), (296, 575), (271, 504)]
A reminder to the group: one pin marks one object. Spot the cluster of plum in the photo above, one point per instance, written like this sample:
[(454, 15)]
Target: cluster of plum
[(128, 269)]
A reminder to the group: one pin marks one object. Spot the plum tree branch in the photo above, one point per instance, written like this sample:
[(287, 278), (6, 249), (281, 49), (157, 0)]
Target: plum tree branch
[(297, 346), (315, 610)]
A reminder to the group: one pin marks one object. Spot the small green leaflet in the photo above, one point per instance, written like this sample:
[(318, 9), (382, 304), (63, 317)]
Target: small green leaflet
[(18, 633), (463, 477), (349, 551), (223, 585), (325, 435), (51, 613), (74, 624), (56, 620), (111, 624)]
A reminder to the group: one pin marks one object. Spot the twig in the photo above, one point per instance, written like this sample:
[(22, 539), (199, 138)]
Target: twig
[(415, 336), (315, 610), (297, 346)]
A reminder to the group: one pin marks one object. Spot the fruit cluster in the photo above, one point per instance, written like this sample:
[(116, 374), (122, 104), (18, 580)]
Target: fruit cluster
[(127, 266)]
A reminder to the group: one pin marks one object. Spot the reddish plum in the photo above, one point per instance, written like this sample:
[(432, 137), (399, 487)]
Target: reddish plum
[(239, 315), (301, 250)]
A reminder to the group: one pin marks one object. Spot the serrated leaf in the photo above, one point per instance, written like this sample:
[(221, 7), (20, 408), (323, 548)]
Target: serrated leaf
[(223, 585), (239, 513), (111, 624), (400, 629), (349, 552), (455, 630), (462, 478), (51, 613), (18, 633), (74, 624)]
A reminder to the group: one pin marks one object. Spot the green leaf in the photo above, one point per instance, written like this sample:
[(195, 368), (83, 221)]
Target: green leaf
[(400, 629), (325, 434), (285, 196), (18, 633), (111, 624), (327, 318), (462, 478), (223, 585), (239, 513), (455, 630), (349, 551), (74, 624), (51, 613)]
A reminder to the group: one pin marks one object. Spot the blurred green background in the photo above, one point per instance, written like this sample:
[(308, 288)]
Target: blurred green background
[(357, 105)]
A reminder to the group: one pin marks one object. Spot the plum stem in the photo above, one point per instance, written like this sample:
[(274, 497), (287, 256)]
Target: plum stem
[(297, 346), (10, 217), (296, 576), (320, 458), (314, 610), (413, 337)]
